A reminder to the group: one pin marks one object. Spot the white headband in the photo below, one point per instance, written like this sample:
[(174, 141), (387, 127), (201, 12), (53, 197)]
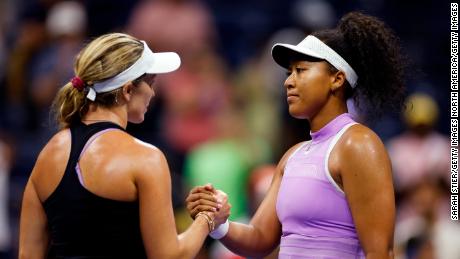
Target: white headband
[(312, 46), (149, 62)]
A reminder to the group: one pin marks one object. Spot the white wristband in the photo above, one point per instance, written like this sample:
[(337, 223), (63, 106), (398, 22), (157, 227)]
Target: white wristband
[(221, 231)]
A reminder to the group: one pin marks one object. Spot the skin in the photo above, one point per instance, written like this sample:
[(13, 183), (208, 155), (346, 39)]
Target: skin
[(120, 167), (317, 94)]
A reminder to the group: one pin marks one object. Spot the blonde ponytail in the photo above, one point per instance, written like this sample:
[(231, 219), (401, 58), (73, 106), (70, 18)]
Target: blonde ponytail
[(103, 58), (69, 105)]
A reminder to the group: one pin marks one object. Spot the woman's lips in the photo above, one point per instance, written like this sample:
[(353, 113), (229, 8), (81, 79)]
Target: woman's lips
[(292, 97)]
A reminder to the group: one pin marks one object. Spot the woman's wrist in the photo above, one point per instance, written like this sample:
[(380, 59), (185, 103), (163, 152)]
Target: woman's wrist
[(221, 231), (209, 220)]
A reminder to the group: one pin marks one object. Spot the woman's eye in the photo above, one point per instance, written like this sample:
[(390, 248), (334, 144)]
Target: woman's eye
[(299, 70)]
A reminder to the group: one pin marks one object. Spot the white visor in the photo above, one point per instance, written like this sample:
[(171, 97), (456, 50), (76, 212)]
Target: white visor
[(312, 46), (148, 63)]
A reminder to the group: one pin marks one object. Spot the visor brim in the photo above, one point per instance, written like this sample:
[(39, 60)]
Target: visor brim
[(283, 54), (164, 62)]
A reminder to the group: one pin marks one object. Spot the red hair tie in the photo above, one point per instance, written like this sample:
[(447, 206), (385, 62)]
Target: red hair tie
[(78, 83)]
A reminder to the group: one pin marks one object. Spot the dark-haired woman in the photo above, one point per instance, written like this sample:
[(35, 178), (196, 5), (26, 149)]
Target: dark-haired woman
[(332, 197)]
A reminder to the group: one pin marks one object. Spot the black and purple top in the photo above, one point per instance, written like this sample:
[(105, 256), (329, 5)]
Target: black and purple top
[(83, 225)]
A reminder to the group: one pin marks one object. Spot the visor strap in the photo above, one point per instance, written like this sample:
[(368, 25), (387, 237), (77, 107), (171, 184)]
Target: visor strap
[(134, 71), (318, 47)]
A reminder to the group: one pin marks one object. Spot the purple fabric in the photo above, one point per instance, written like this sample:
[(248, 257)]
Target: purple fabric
[(77, 167), (314, 213)]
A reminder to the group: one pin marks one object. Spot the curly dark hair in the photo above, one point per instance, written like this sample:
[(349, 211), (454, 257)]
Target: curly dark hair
[(374, 52)]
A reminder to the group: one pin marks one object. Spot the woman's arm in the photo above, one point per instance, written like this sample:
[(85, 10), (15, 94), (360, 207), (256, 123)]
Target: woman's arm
[(365, 169), (158, 228), (33, 231), (262, 234)]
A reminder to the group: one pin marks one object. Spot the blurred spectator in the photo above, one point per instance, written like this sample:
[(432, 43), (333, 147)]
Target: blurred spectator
[(226, 162), (420, 159), (5, 228), (423, 227), (259, 81), (30, 38), (261, 94), (420, 152), (53, 67), (193, 97), (4, 8), (190, 97), (259, 182), (256, 182), (185, 26), (314, 15)]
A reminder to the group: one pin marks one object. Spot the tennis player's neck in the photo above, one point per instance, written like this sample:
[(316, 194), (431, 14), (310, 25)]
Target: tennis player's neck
[(115, 115), (323, 118)]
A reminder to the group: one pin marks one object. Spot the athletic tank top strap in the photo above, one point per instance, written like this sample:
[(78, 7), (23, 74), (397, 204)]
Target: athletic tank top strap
[(331, 146), (85, 147), (81, 134)]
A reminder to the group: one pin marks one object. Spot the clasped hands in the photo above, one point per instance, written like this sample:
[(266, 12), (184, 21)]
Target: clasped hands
[(209, 200)]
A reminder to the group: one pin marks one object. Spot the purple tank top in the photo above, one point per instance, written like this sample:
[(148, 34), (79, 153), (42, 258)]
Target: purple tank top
[(315, 217)]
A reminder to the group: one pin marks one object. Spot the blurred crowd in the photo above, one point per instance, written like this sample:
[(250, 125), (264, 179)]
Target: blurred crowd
[(222, 117)]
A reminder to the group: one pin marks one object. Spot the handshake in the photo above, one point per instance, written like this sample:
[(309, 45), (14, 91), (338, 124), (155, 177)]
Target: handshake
[(213, 204)]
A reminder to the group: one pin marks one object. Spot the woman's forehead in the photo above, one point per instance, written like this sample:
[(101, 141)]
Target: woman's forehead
[(305, 62)]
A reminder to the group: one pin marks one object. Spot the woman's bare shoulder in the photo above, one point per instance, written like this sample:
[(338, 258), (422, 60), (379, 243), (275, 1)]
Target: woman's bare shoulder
[(125, 147), (57, 149), (359, 136), (50, 164), (361, 145), (130, 145)]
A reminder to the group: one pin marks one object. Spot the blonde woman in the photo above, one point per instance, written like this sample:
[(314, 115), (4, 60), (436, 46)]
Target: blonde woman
[(96, 191)]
